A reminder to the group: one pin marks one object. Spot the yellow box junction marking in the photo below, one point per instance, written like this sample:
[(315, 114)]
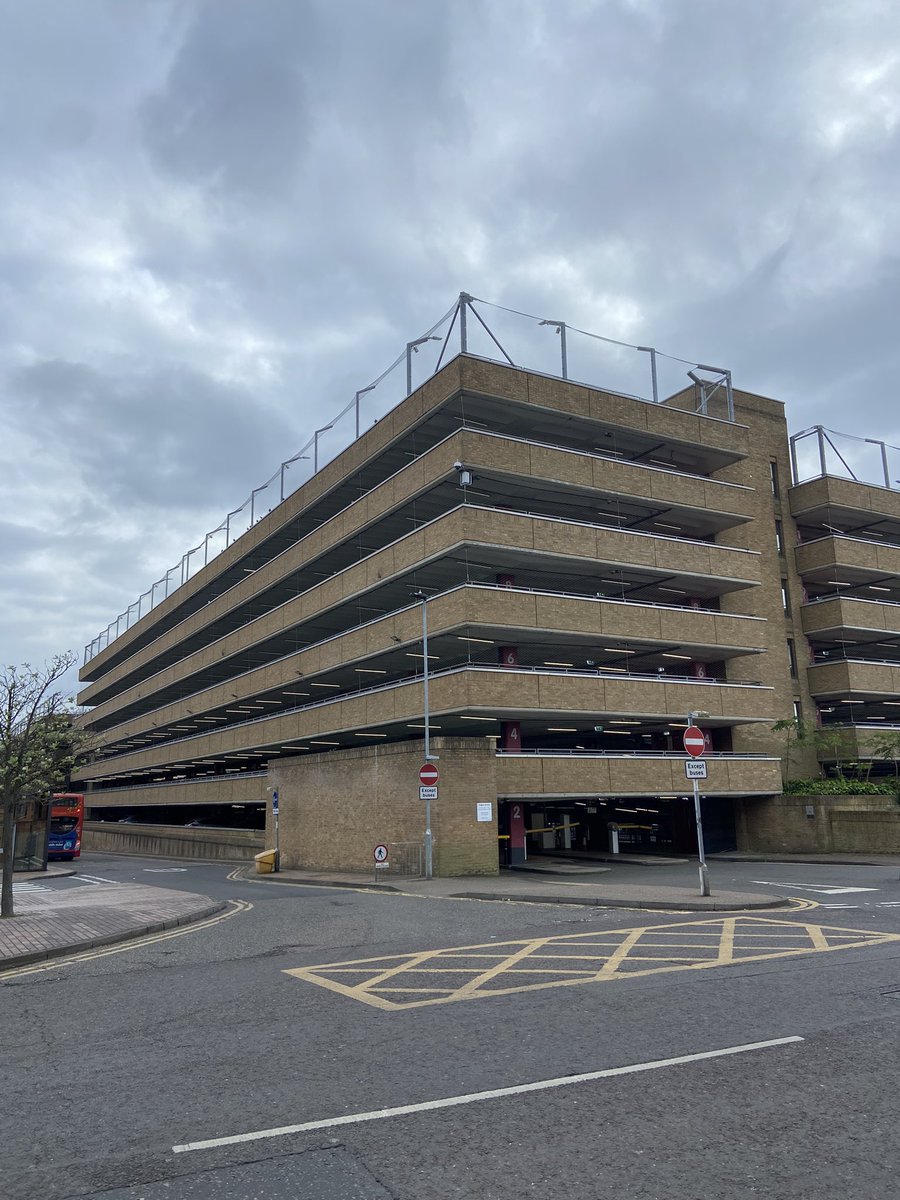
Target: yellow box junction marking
[(399, 981)]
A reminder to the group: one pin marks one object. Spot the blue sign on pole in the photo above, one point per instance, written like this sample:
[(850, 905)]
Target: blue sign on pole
[(275, 802)]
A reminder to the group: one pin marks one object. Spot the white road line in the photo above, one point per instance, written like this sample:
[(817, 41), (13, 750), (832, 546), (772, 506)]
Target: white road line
[(540, 1085), (826, 889), (840, 906), (92, 879)]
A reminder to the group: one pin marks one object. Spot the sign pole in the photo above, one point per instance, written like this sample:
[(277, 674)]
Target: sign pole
[(275, 815), (380, 857), (704, 871), (428, 777), (695, 745), (429, 843)]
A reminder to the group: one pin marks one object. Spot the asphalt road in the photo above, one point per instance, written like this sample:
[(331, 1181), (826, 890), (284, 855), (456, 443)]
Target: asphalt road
[(113, 1062)]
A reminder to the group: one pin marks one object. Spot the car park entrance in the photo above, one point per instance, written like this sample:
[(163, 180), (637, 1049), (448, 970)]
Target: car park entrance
[(649, 825)]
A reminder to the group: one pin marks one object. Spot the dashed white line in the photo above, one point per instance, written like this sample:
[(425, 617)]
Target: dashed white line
[(541, 1085)]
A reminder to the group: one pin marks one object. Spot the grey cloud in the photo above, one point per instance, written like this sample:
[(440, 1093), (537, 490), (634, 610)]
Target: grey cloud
[(166, 438), (234, 114), (220, 218)]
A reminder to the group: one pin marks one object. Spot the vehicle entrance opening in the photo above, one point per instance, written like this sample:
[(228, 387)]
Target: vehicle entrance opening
[(580, 827)]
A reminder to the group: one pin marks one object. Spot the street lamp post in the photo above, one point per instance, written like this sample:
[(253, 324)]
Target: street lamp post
[(413, 348), (560, 327), (653, 380), (234, 513), (187, 561), (253, 496), (285, 465), (324, 429), (362, 392), (429, 842)]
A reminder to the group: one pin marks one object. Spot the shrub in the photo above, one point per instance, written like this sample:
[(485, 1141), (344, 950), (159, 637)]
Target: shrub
[(841, 787)]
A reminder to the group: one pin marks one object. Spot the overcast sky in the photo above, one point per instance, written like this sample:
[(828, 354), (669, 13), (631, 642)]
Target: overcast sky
[(219, 218)]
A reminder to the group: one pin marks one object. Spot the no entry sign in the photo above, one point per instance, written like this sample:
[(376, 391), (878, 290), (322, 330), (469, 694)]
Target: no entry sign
[(694, 741), (428, 775)]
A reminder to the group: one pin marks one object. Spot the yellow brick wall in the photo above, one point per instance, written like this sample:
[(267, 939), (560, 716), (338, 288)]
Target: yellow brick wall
[(335, 808), (849, 824)]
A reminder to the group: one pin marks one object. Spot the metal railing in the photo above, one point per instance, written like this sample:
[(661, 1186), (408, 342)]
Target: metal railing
[(246, 515), (841, 596), (595, 598), (91, 795), (607, 674), (831, 660), (827, 440), (533, 516), (847, 537), (675, 755)]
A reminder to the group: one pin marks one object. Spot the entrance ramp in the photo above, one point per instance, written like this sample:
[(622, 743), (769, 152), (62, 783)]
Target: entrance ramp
[(581, 864), (560, 866)]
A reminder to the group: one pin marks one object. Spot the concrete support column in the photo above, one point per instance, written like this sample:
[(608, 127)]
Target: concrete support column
[(510, 736), (516, 821), (504, 580), (508, 656), (698, 670)]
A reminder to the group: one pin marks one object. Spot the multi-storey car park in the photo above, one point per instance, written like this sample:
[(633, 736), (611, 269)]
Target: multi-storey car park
[(593, 568), (848, 562)]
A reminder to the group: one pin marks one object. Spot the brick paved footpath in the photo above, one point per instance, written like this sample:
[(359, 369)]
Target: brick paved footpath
[(49, 923)]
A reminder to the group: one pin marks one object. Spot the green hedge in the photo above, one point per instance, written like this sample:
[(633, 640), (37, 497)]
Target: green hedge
[(842, 787)]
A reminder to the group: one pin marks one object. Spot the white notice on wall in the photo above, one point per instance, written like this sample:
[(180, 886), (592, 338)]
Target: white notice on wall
[(484, 812)]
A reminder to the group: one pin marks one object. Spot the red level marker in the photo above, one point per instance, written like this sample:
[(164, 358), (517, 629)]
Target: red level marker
[(428, 774), (694, 741)]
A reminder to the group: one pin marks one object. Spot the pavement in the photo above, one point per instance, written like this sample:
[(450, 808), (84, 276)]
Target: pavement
[(50, 922), (549, 883)]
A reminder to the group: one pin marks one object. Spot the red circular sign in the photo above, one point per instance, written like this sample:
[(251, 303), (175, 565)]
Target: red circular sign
[(428, 774), (694, 741)]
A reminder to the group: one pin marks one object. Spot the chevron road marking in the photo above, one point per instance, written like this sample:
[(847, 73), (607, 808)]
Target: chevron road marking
[(412, 980)]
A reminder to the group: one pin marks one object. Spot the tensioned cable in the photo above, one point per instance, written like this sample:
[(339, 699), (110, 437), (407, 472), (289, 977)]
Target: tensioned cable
[(857, 438), (689, 362)]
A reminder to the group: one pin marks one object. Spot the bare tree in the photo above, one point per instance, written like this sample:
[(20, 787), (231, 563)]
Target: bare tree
[(38, 746)]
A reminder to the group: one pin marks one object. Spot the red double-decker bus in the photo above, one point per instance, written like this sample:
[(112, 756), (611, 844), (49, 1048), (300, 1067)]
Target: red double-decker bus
[(66, 825)]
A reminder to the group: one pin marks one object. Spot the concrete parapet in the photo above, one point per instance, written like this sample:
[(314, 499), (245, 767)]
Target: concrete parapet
[(172, 841)]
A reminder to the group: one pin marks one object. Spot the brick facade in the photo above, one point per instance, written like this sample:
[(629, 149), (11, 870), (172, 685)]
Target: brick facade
[(335, 808)]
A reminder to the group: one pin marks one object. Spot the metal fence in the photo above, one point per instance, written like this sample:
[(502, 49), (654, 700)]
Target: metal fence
[(404, 860)]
